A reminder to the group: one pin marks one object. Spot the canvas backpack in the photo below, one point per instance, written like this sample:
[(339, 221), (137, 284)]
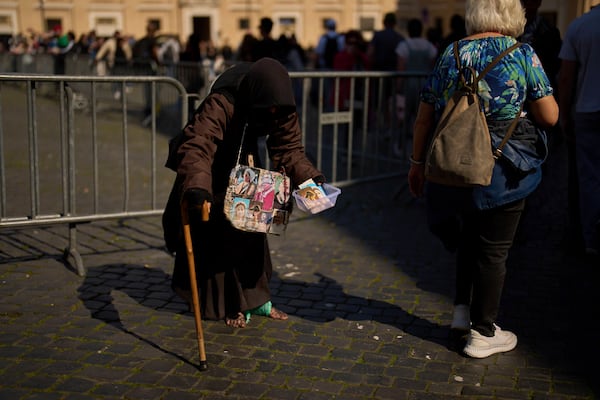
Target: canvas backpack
[(460, 153)]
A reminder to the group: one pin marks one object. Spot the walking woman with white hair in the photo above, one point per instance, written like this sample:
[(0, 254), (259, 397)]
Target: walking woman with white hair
[(480, 223)]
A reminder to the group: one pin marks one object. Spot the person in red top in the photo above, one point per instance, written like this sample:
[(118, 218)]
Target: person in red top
[(352, 58)]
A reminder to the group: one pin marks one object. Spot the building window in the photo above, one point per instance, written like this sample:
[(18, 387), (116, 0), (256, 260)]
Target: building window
[(367, 24), (105, 26), (52, 23), (287, 26), (244, 24), (6, 24), (106, 23)]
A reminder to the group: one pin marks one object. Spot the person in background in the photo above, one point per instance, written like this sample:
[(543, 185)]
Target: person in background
[(92, 43), (84, 42), (266, 46), (543, 37), (382, 47), (246, 48), (227, 52), (145, 59), (415, 54), (329, 44), (290, 53), (457, 31), (65, 44), (117, 54), (191, 49), (382, 57), (480, 223), (168, 55), (247, 102), (435, 37), (293, 58), (351, 58), (580, 117), (191, 60)]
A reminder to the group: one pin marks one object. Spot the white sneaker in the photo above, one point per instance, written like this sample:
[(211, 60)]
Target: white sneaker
[(461, 319), (479, 346)]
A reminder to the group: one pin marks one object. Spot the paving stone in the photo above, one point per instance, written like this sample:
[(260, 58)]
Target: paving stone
[(76, 385), (45, 396), (370, 305)]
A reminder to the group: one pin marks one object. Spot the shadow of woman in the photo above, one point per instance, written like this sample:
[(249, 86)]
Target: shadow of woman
[(322, 301), (326, 300), (149, 287)]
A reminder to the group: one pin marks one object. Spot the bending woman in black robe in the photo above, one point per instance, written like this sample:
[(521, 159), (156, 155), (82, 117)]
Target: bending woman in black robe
[(233, 267)]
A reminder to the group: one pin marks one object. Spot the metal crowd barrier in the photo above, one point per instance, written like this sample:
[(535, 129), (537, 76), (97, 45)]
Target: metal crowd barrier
[(354, 124), (73, 152)]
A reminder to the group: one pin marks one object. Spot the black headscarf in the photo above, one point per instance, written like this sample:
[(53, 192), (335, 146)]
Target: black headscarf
[(267, 84), (266, 93)]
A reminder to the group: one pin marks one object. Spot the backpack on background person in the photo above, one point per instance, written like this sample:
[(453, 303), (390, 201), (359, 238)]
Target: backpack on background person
[(331, 49)]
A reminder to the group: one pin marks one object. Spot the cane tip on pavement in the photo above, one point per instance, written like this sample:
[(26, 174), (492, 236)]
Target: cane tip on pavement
[(203, 366)]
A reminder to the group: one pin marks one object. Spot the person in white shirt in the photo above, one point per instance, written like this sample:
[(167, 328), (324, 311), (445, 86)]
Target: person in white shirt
[(415, 54)]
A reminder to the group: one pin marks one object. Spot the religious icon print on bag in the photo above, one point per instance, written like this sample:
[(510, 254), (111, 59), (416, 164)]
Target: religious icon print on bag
[(253, 217), (265, 194), (264, 221), (239, 210), (282, 191), (279, 222), (246, 182)]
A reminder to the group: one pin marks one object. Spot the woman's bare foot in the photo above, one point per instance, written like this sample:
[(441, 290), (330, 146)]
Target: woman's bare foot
[(237, 322), (278, 314)]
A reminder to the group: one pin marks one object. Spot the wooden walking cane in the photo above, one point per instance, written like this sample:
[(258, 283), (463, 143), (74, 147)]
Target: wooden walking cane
[(193, 283)]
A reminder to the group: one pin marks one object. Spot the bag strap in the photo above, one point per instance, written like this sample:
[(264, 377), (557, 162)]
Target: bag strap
[(496, 60), (513, 125), (498, 151), (250, 156), (241, 145), (458, 66)]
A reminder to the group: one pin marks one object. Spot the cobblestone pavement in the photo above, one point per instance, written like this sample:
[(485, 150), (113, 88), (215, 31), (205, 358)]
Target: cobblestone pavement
[(368, 290)]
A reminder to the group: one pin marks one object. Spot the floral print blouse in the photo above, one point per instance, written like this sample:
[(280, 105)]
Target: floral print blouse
[(518, 76)]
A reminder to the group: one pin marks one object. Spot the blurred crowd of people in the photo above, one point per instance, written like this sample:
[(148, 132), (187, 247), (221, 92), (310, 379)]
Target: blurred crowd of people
[(416, 49), (164, 48), (169, 48)]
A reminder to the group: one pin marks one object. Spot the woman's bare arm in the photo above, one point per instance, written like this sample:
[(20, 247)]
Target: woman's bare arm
[(544, 111)]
